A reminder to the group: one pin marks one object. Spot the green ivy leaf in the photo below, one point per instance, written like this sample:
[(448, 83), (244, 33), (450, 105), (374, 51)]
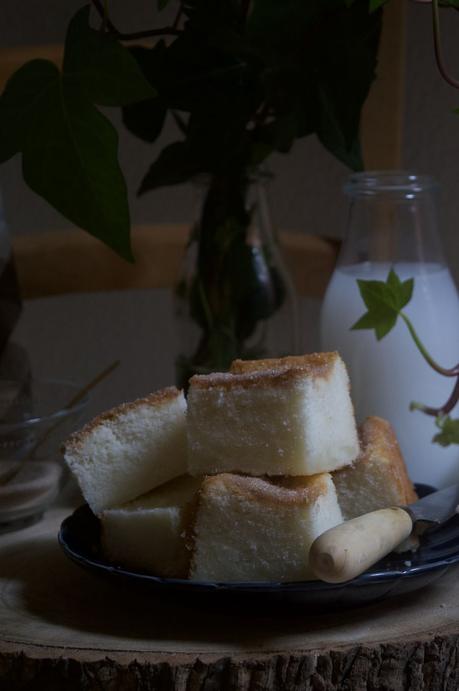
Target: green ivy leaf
[(320, 59), (449, 431), (69, 153), (332, 134), (191, 71), (384, 301), (380, 319), (69, 149), (346, 60), (17, 105), (173, 166), (102, 66), (280, 134), (401, 292), (376, 4), (268, 27), (145, 119)]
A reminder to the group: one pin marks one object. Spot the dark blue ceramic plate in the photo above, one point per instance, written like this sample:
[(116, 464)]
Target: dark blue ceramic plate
[(394, 575)]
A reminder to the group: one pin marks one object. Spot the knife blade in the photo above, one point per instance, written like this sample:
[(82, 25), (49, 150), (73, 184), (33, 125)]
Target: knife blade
[(436, 508), (344, 552)]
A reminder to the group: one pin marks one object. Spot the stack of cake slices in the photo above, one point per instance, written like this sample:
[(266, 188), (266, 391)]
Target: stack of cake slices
[(236, 482)]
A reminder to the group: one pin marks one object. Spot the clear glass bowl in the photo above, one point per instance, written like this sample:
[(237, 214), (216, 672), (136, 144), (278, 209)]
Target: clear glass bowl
[(36, 416)]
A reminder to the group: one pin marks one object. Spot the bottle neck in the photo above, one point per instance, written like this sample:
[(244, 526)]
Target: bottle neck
[(391, 225)]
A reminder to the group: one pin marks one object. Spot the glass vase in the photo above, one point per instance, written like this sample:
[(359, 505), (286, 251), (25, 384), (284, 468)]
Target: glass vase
[(235, 298), (392, 224)]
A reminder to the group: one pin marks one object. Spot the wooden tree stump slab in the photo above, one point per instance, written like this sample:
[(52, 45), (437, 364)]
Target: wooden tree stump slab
[(63, 629)]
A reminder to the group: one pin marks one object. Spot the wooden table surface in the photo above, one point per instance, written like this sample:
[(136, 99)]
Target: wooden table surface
[(62, 627)]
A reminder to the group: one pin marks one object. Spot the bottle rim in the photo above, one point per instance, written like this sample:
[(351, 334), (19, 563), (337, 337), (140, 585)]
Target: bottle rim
[(399, 182)]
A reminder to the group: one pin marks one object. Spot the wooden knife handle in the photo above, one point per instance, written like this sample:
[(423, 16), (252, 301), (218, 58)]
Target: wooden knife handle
[(344, 552)]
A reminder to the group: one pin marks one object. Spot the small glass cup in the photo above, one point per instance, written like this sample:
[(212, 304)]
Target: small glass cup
[(36, 416)]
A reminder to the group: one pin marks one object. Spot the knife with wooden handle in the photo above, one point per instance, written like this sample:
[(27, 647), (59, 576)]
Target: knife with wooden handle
[(344, 552)]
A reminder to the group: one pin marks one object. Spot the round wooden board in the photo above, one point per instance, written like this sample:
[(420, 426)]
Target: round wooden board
[(64, 628)]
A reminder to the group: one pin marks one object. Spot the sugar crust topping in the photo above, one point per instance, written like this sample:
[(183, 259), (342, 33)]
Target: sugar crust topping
[(284, 491), (309, 361), (155, 399), (269, 372)]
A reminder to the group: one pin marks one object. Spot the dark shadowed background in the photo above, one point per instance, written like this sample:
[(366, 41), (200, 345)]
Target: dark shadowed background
[(306, 194)]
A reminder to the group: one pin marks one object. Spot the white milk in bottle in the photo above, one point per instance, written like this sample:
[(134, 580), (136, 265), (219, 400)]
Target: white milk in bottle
[(392, 225)]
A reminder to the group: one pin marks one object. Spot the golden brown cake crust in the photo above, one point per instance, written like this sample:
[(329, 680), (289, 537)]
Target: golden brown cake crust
[(155, 399), (269, 372), (378, 441), (282, 491), (309, 361)]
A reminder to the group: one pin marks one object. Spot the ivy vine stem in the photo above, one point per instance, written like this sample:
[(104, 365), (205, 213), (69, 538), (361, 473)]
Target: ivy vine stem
[(442, 410), (453, 372), (438, 47)]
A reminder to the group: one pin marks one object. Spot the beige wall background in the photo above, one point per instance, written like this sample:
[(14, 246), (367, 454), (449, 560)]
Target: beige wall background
[(306, 192)]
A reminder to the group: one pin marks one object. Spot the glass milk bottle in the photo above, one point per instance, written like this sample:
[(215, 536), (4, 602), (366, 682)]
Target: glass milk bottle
[(392, 223)]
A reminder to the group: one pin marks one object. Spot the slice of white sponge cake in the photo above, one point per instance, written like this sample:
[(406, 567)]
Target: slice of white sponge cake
[(291, 416), (130, 449), (256, 529), (378, 478), (148, 534)]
